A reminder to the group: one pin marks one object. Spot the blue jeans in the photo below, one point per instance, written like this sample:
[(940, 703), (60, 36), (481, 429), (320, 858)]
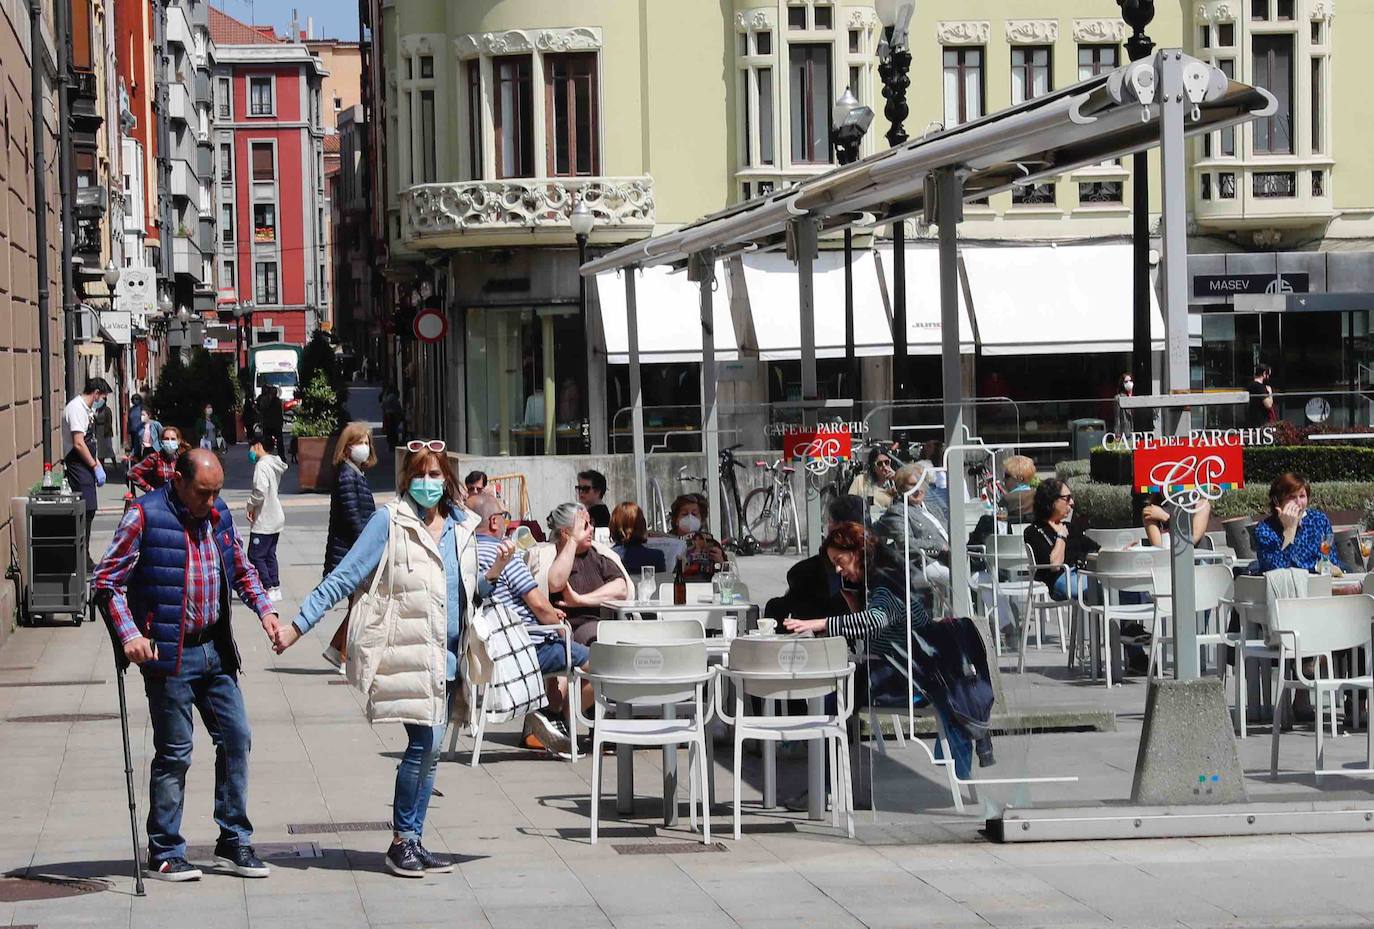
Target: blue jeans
[(201, 683), (262, 552), (415, 779), (1067, 585)]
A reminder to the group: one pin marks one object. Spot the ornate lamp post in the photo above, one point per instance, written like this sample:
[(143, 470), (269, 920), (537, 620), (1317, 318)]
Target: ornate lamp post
[(582, 220), (1138, 14), (850, 120), (894, 61)]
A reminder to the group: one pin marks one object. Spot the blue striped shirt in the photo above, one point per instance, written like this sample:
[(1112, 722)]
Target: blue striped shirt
[(511, 587)]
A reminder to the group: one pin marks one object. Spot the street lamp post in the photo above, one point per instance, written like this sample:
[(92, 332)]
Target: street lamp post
[(894, 61), (582, 220), (851, 120), (1138, 14)]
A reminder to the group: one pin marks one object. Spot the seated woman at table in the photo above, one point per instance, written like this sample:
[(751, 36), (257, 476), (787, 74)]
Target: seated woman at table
[(813, 587), (1156, 521), (629, 532), (1291, 536), (1055, 540), (875, 483), (873, 579), (687, 515), (703, 558), (912, 523)]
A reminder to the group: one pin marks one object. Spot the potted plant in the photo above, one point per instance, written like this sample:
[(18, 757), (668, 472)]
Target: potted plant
[(316, 420)]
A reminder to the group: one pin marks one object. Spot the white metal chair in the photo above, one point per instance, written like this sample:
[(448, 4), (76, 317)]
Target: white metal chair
[(1036, 603), (647, 676), (1212, 588), (1118, 572), (476, 695), (794, 669), (630, 632), (1314, 628), (1249, 598), (1003, 553)]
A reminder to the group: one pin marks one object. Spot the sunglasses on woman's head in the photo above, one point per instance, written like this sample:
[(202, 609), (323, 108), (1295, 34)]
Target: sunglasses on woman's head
[(433, 445)]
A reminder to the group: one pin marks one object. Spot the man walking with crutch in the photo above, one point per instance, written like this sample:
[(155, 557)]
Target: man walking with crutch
[(166, 578)]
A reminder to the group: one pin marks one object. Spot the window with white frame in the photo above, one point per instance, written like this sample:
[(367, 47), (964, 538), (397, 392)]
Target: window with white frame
[(810, 81), (963, 66), (1097, 59), (224, 98), (757, 89), (1030, 72), (265, 283), (260, 96)]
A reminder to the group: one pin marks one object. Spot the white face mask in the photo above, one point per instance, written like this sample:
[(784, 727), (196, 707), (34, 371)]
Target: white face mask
[(689, 523), (1128, 385), (360, 452)]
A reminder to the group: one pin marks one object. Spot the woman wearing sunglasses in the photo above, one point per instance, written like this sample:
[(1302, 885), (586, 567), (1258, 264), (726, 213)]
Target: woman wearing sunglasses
[(1053, 540), (875, 483), (401, 663)]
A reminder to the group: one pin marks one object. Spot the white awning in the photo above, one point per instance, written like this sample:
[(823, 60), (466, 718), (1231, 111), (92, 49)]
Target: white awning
[(1050, 300), (774, 305), (923, 326), (669, 311)]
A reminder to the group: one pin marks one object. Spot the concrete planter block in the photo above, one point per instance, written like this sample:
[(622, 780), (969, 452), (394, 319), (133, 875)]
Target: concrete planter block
[(1187, 749)]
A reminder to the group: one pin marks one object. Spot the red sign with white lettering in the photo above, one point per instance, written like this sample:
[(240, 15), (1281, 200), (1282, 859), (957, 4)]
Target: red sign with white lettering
[(1208, 468), (824, 444)]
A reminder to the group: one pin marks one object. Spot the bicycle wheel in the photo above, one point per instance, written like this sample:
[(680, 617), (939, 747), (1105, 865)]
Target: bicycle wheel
[(759, 517), (791, 524)]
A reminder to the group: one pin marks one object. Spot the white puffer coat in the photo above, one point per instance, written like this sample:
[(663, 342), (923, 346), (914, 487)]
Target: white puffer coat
[(404, 660)]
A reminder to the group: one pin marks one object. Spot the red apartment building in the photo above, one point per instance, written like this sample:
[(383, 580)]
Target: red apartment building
[(270, 192)]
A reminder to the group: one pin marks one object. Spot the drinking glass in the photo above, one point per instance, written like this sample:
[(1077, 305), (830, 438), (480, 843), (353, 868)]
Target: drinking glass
[(727, 586), (1366, 546), (647, 584)]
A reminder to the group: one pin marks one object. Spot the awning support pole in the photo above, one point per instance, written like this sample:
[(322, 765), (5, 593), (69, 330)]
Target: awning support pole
[(636, 392), (702, 270), (805, 246), (1174, 200), (949, 210)]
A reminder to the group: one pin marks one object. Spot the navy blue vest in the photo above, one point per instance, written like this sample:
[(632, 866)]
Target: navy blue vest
[(157, 587)]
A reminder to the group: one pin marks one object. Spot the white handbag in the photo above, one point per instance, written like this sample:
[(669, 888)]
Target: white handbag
[(370, 620)]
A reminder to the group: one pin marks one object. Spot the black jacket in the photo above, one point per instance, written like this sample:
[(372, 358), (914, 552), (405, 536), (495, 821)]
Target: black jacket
[(813, 592), (350, 507)]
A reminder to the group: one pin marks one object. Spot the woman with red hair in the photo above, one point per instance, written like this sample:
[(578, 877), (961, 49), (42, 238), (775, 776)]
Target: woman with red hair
[(1291, 536)]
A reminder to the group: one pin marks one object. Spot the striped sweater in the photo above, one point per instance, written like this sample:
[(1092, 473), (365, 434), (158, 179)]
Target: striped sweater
[(882, 624)]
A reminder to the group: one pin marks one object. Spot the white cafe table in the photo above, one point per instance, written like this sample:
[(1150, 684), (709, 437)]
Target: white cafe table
[(624, 608)]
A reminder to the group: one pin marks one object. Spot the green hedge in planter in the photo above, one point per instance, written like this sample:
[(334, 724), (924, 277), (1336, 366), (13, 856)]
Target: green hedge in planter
[(1108, 506), (1263, 463), (1064, 470)]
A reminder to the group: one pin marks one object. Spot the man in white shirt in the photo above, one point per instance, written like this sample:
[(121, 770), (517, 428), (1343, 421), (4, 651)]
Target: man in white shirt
[(83, 470)]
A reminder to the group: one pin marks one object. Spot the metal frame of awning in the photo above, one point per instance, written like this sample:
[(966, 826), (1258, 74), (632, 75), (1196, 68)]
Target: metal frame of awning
[(1156, 101)]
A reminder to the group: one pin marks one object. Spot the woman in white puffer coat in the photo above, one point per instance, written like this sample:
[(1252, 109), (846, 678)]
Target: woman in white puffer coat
[(417, 562)]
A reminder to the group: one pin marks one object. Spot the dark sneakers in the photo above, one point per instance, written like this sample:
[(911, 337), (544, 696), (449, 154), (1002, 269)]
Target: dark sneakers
[(403, 860), (173, 869), (432, 863), (242, 860)]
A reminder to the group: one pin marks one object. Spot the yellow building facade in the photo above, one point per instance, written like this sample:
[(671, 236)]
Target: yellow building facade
[(499, 116)]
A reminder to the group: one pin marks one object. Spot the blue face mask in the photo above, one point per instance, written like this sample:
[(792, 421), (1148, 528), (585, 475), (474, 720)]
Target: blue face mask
[(252, 457), (427, 491), (169, 446)]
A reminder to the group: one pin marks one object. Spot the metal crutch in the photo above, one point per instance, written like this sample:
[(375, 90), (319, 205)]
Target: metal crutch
[(102, 601)]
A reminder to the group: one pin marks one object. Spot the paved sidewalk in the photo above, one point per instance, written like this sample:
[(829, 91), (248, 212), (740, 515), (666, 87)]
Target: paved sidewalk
[(519, 825)]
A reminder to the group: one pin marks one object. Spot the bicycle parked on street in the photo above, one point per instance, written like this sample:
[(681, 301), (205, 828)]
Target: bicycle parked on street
[(770, 512), (734, 526)]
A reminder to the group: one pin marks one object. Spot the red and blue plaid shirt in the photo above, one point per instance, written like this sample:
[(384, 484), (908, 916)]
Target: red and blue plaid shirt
[(153, 471), (202, 574)]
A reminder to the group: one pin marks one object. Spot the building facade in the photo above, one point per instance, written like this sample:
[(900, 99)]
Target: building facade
[(491, 123), (29, 123), (270, 193)]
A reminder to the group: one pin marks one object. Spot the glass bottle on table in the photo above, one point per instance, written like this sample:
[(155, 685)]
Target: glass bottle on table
[(679, 585)]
